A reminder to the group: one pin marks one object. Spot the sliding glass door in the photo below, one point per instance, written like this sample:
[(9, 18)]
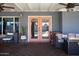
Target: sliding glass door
[(9, 25), (0, 25)]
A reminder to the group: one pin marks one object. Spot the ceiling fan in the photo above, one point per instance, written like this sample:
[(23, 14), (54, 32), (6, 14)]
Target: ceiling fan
[(2, 7), (69, 6)]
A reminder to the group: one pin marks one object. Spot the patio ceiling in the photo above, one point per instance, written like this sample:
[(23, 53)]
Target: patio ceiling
[(36, 7)]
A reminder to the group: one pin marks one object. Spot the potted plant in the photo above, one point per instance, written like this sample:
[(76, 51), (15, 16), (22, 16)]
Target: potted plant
[(23, 32)]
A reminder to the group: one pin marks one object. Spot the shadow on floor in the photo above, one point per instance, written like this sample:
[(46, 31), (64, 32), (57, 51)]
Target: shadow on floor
[(33, 49)]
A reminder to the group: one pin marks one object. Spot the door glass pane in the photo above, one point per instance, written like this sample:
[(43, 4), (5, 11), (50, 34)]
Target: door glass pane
[(45, 28), (0, 26), (34, 28), (17, 24), (7, 25)]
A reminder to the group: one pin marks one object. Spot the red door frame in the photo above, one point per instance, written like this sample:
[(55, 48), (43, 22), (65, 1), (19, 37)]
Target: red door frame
[(39, 39)]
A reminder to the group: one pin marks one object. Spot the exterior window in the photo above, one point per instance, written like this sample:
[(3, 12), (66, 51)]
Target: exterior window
[(0, 25), (8, 25), (17, 24), (34, 28), (45, 28)]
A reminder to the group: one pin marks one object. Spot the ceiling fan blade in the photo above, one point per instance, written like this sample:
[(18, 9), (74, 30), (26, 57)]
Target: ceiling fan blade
[(76, 4), (8, 7), (1, 3), (1, 9), (63, 4)]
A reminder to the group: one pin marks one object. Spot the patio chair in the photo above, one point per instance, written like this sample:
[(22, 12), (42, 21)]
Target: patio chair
[(8, 39), (59, 42), (71, 35)]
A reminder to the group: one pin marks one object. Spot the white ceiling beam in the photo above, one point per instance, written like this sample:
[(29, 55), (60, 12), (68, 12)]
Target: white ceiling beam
[(39, 7), (52, 5), (17, 4), (29, 6), (49, 7)]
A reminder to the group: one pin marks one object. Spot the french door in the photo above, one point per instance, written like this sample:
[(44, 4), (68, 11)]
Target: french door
[(38, 28)]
